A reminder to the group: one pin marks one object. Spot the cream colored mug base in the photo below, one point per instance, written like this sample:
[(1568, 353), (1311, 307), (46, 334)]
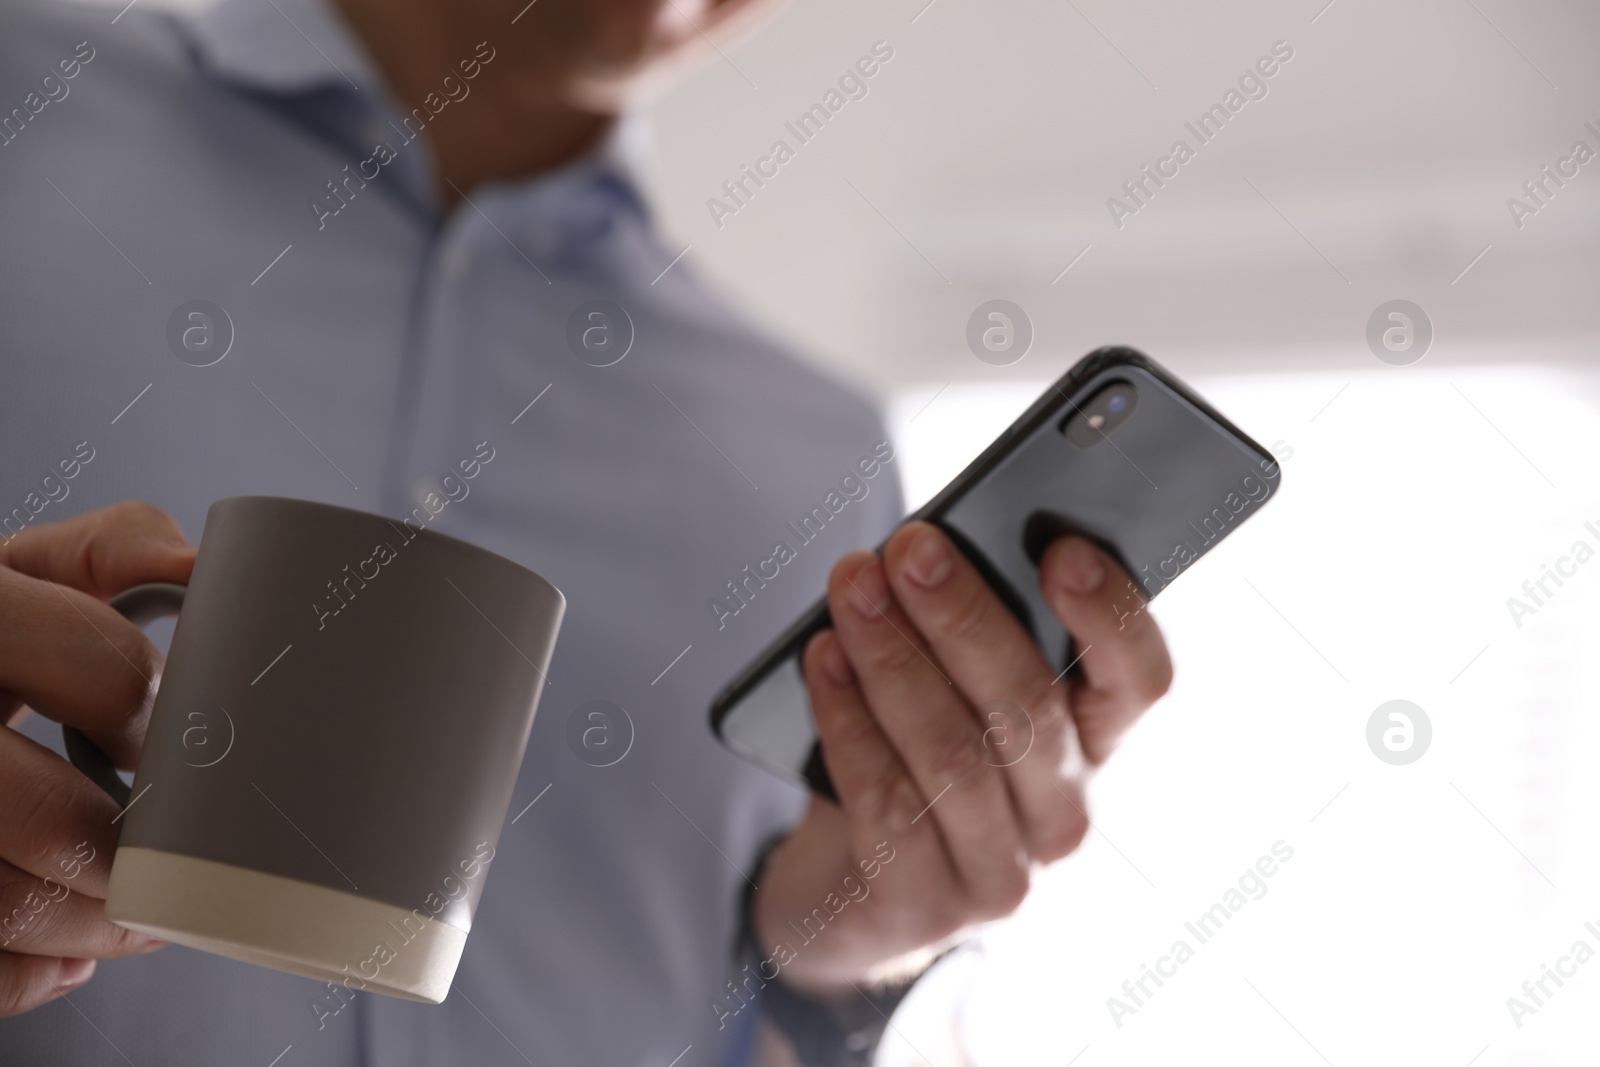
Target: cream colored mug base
[(284, 924)]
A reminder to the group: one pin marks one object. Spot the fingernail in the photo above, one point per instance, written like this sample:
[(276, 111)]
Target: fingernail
[(927, 558), (1079, 568), (835, 662), (150, 944), (868, 591), (74, 973)]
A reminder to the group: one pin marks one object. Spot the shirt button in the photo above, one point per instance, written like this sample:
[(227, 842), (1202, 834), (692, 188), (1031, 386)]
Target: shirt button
[(420, 491)]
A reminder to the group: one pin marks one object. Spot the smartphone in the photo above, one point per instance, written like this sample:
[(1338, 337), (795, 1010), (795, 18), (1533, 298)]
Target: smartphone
[(1118, 451)]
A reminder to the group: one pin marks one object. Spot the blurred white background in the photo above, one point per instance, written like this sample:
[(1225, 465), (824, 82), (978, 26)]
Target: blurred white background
[(989, 145), (1416, 499)]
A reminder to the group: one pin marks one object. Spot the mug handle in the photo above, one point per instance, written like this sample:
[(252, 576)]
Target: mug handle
[(141, 605)]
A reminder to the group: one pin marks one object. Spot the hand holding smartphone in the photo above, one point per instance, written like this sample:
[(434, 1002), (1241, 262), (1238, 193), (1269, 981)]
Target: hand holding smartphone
[(1118, 451)]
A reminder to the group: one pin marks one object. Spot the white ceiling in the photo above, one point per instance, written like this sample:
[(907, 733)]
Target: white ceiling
[(1378, 166)]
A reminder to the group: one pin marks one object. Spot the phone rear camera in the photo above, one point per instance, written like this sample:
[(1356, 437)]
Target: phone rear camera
[(1097, 418)]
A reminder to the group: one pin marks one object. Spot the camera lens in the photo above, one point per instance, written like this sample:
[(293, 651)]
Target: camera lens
[(1101, 414)]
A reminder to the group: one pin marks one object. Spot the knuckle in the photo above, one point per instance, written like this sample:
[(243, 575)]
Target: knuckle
[(1063, 835), (840, 730), (1049, 712), (895, 800), (15, 916), (137, 513), (955, 756), (1003, 892), (1155, 681), (130, 524), (1014, 890), (891, 656), (951, 914), (43, 805), (1164, 674), (28, 914)]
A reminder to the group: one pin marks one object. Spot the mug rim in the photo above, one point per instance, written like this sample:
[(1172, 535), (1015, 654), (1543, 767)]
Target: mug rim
[(443, 538)]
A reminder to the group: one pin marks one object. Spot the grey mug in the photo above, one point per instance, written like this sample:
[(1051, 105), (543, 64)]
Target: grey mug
[(333, 745)]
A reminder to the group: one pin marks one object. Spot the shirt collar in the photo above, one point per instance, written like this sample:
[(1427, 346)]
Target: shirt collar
[(611, 170), (282, 46)]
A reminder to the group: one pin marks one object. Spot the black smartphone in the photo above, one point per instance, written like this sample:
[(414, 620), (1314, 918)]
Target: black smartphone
[(1118, 451)]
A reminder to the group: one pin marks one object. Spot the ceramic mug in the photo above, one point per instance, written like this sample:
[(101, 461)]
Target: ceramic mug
[(333, 746)]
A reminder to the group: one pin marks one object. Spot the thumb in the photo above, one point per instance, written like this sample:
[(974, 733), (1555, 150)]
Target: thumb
[(103, 552)]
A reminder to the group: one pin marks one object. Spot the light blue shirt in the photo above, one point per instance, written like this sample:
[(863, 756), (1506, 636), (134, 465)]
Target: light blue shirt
[(372, 349)]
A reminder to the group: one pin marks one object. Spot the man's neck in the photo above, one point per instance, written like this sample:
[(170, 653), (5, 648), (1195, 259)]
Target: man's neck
[(504, 128)]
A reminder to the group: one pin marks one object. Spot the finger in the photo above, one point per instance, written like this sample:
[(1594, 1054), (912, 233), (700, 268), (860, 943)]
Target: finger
[(1028, 728), (1126, 667), (934, 732), (872, 783), (45, 917), (58, 824), (29, 981), (75, 660), (880, 799), (103, 552)]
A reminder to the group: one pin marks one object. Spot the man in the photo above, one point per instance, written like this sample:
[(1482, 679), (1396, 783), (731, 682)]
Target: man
[(326, 253)]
